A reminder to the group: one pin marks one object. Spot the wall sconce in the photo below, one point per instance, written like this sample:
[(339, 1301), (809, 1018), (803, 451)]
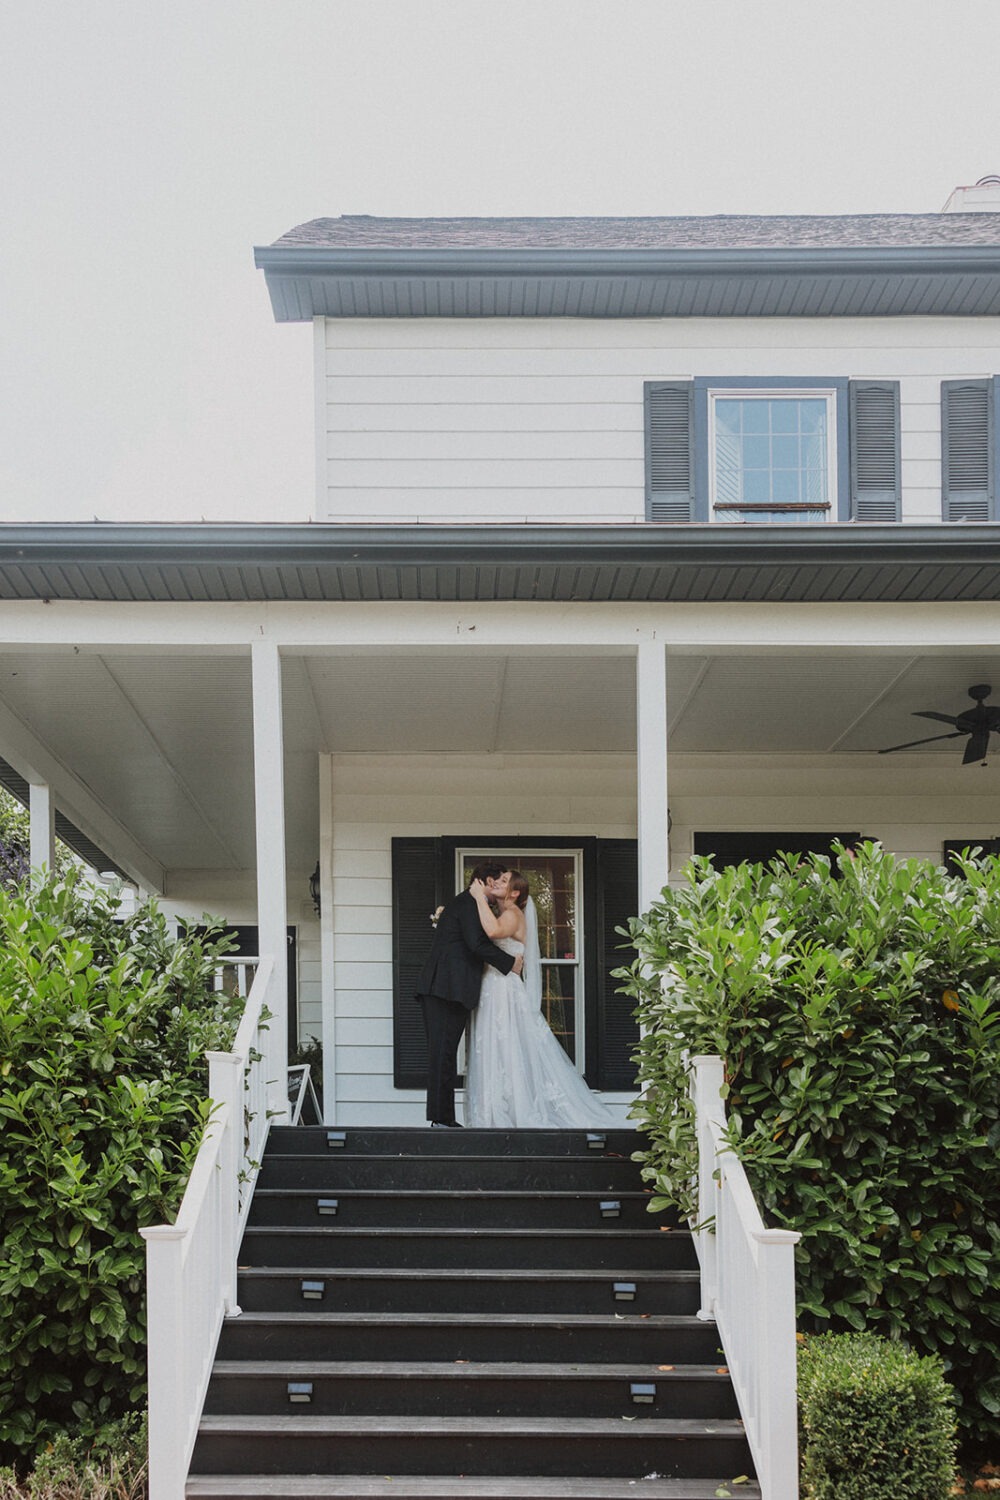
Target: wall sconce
[(314, 888)]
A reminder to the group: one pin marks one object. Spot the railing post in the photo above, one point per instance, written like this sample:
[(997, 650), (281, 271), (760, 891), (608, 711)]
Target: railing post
[(225, 1089), (707, 1079), (165, 1362), (778, 1417)]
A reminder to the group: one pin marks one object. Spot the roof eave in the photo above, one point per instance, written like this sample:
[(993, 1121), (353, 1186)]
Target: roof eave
[(305, 281)]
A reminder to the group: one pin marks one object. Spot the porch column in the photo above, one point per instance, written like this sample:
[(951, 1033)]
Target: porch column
[(651, 759), (272, 902), (42, 815)]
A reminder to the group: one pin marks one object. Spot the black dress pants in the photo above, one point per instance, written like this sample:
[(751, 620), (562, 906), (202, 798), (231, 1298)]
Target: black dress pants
[(445, 1022)]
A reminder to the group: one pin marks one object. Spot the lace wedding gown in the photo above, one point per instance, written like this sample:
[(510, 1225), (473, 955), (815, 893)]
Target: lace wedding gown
[(517, 1074)]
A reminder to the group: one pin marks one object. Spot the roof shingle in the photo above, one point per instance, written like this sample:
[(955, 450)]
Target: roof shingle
[(721, 231)]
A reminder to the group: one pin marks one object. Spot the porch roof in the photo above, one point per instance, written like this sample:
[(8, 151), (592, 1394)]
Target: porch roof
[(866, 265), (641, 563)]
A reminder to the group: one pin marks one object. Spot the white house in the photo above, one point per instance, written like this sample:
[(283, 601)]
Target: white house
[(632, 538)]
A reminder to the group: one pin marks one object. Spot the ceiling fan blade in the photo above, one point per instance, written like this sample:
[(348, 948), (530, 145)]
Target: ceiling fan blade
[(979, 744), (929, 741), (928, 713)]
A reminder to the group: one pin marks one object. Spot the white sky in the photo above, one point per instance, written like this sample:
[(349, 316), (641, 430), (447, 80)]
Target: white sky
[(147, 145)]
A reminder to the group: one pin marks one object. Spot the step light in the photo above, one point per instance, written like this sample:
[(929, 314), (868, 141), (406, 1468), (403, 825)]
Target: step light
[(595, 1141), (327, 1206), (611, 1209), (300, 1392), (624, 1291), (642, 1395), (336, 1140), (312, 1291)]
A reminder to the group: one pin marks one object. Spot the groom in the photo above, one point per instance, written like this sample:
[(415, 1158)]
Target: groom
[(449, 983)]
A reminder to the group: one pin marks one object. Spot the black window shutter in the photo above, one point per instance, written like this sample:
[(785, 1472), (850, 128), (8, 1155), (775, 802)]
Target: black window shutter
[(414, 896), (876, 490), (617, 901), (669, 450), (968, 463)]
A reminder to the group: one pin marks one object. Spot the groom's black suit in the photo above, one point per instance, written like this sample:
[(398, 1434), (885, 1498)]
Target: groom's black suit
[(448, 989)]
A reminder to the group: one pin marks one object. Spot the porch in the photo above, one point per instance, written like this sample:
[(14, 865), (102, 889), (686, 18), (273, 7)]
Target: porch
[(218, 752)]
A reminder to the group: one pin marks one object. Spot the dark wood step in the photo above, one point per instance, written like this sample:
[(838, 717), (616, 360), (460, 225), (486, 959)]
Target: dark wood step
[(606, 1247), (342, 1387), (460, 1487), (618, 1339), (447, 1209), (299, 1140), (390, 1290), (469, 1445), (339, 1169)]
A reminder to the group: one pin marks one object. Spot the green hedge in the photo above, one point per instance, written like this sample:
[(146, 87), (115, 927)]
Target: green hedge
[(858, 1013), (103, 1029), (876, 1421)]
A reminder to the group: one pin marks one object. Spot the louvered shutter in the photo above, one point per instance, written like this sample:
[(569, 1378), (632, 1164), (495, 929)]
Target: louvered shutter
[(967, 444), (617, 901), (876, 491), (414, 897), (669, 450)]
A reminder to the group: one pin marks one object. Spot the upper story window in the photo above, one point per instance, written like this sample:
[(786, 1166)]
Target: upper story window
[(770, 455), (779, 450)]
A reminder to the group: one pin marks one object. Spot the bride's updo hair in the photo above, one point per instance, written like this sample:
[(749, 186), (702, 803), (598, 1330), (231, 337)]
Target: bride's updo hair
[(519, 888)]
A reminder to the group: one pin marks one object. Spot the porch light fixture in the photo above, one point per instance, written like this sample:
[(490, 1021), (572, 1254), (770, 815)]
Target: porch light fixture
[(300, 1392), (312, 1291), (336, 1140), (327, 1206), (611, 1208), (642, 1393), (314, 888), (596, 1142), (624, 1291)]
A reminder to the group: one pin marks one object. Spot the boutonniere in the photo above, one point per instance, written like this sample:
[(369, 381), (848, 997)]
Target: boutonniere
[(436, 915)]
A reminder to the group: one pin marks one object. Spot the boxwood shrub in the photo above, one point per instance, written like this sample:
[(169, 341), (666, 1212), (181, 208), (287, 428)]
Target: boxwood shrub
[(103, 1028), (876, 1421), (858, 1011)]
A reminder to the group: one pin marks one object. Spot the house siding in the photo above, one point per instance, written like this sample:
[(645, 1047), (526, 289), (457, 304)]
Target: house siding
[(441, 420)]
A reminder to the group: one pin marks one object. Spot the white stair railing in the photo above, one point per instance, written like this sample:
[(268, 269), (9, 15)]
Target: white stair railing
[(748, 1287), (191, 1264)]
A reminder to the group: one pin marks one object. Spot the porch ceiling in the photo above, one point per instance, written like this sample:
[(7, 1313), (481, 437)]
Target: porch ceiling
[(164, 742)]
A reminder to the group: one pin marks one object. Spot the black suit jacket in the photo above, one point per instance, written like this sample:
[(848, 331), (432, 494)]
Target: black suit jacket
[(454, 967)]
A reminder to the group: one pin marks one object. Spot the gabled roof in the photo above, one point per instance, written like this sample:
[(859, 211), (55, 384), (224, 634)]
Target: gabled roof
[(641, 563), (727, 265), (706, 232)]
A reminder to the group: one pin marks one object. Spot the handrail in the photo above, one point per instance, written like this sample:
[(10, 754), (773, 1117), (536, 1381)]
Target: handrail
[(191, 1264), (748, 1287)]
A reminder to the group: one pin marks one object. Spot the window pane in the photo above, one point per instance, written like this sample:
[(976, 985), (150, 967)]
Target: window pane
[(785, 486), (757, 452), (755, 415), (785, 452), (727, 416), (756, 486), (784, 416)]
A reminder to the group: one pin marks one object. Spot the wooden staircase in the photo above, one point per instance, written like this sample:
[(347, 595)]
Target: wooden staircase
[(446, 1313)]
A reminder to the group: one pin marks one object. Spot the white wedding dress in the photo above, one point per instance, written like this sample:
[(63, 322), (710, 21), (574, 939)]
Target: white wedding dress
[(517, 1075)]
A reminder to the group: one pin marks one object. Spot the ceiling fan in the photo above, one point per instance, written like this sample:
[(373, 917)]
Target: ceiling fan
[(978, 723)]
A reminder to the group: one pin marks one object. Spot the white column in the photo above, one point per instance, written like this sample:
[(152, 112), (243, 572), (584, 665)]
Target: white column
[(272, 900), (651, 758), (328, 961), (42, 813)]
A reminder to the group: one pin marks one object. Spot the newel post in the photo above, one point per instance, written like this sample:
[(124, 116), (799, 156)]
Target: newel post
[(225, 1089), (707, 1080), (165, 1362), (777, 1353)]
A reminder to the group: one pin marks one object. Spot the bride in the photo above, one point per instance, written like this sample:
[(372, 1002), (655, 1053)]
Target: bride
[(517, 1074)]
